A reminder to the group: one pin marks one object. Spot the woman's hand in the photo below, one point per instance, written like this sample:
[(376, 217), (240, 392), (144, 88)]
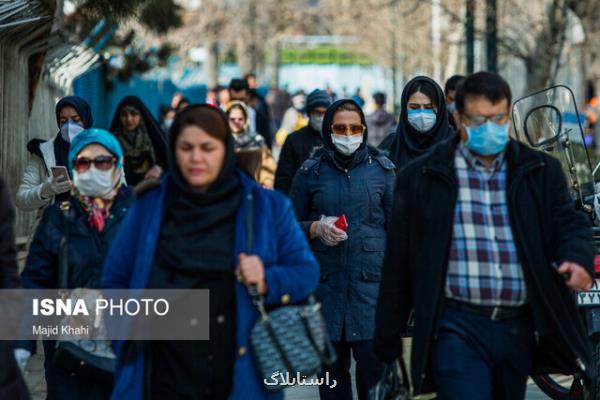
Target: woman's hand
[(154, 172), (327, 232), (250, 270)]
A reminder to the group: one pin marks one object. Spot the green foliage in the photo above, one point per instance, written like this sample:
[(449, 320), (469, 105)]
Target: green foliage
[(157, 15), (161, 15), (111, 9)]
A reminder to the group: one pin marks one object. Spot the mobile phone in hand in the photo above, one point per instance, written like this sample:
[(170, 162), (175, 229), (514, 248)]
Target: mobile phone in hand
[(59, 172), (341, 223)]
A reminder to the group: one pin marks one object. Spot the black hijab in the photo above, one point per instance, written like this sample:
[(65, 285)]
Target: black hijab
[(198, 229), (408, 143), (155, 133), (61, 146), (342, 160)]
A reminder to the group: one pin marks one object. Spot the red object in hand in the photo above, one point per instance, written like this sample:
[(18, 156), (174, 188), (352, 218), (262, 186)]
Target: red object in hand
[(341, 223), (597, 263)]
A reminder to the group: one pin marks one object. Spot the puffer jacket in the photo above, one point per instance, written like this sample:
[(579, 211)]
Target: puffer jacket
[(351, 270), (37, 171)]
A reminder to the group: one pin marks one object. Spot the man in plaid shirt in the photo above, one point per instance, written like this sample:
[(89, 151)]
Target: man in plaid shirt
[(477, 227)]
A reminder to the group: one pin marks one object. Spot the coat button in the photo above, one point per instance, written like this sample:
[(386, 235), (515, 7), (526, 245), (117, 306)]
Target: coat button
[(285, 299), (242, 351)]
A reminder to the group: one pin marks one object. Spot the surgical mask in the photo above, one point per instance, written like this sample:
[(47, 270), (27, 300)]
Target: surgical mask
[(316, 123), (451, 107), (487, 139), (167, 123), (94, 183), (422, 120), (347, 145), (69, 130)]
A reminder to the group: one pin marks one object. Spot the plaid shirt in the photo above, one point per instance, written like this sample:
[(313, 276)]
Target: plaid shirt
[(483, 267)]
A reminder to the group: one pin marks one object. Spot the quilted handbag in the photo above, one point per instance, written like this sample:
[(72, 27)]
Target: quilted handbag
[(393, 385), (289, 340), (92, 359)]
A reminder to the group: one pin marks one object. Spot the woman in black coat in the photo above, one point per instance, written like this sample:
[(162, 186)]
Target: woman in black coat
[(11, 382), (95, 212), (423, 122), (143, 141)]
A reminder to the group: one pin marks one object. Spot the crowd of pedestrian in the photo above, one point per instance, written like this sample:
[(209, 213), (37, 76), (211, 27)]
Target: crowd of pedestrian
[(435, 224)]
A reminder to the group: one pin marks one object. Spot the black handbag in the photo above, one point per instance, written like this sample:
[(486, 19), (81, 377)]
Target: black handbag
[(92, 359), (290, 340), (393, 385)]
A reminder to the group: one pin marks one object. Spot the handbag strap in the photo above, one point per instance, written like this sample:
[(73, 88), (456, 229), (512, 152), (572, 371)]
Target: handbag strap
[(257, 298), (63, 255)]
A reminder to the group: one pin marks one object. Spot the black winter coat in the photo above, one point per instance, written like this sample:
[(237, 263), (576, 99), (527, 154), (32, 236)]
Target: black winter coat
[(297, 148), (546, 228), (86, 252), (12, 385)]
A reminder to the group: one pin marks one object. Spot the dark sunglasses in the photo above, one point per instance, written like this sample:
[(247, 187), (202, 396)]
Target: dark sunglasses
[(102, 163), (341, 129)]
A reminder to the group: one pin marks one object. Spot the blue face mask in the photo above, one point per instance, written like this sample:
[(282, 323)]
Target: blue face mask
[(451, 107), (487, 139), (422, 120)]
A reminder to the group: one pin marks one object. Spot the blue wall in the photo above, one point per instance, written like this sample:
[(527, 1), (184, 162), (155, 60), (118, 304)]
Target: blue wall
[(153, 93)]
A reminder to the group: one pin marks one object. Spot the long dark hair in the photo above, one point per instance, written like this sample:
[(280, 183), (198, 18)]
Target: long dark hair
[(428, 90)]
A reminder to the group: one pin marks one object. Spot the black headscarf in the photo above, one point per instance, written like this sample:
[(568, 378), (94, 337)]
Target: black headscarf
[(198, 229), (331, 151), (155, 133), (61, 146), (408, 143)]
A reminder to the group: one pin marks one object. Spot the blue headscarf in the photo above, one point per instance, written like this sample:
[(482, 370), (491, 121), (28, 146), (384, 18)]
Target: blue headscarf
[(99, 136), (80, 105)]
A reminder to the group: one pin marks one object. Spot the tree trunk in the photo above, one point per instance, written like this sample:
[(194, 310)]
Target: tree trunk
[(546, 58), (274, 61), (212, 62)]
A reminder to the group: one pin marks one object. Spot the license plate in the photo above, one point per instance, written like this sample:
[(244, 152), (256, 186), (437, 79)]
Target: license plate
[(590, 297)]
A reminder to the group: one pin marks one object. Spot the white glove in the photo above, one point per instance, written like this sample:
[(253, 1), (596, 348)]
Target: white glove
[(54, 186), (328, 233), (22, 355)]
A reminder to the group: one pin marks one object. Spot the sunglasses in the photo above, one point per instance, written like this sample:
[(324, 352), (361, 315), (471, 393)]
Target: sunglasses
[(102, 163), (354, 129)]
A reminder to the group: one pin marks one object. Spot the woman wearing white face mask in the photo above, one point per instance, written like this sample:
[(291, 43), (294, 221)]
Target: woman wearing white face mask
[(95, 211), (38, 186), (346, 177), (423, 122)]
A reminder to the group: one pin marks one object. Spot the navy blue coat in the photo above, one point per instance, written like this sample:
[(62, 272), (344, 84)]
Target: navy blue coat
[(87, 250), (351, 270), (291, 272)]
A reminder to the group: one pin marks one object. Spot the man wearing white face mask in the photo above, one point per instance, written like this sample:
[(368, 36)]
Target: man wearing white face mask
[(94, 213), (38, 186), (300, 145), (347, 177)]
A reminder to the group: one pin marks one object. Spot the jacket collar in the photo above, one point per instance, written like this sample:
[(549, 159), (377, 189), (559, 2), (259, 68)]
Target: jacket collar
[(47, 151)]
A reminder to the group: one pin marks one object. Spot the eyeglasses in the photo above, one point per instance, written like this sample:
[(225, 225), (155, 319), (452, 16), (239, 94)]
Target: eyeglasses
[(102, 163), (477, 120), (355, 129)]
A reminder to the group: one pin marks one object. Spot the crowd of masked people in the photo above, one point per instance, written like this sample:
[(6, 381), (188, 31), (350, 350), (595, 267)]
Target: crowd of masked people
[(449, 231)]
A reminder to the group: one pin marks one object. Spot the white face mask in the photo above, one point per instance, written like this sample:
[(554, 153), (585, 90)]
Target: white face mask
[(69, 130), (316, 123), (347, 145), (95, 183)]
